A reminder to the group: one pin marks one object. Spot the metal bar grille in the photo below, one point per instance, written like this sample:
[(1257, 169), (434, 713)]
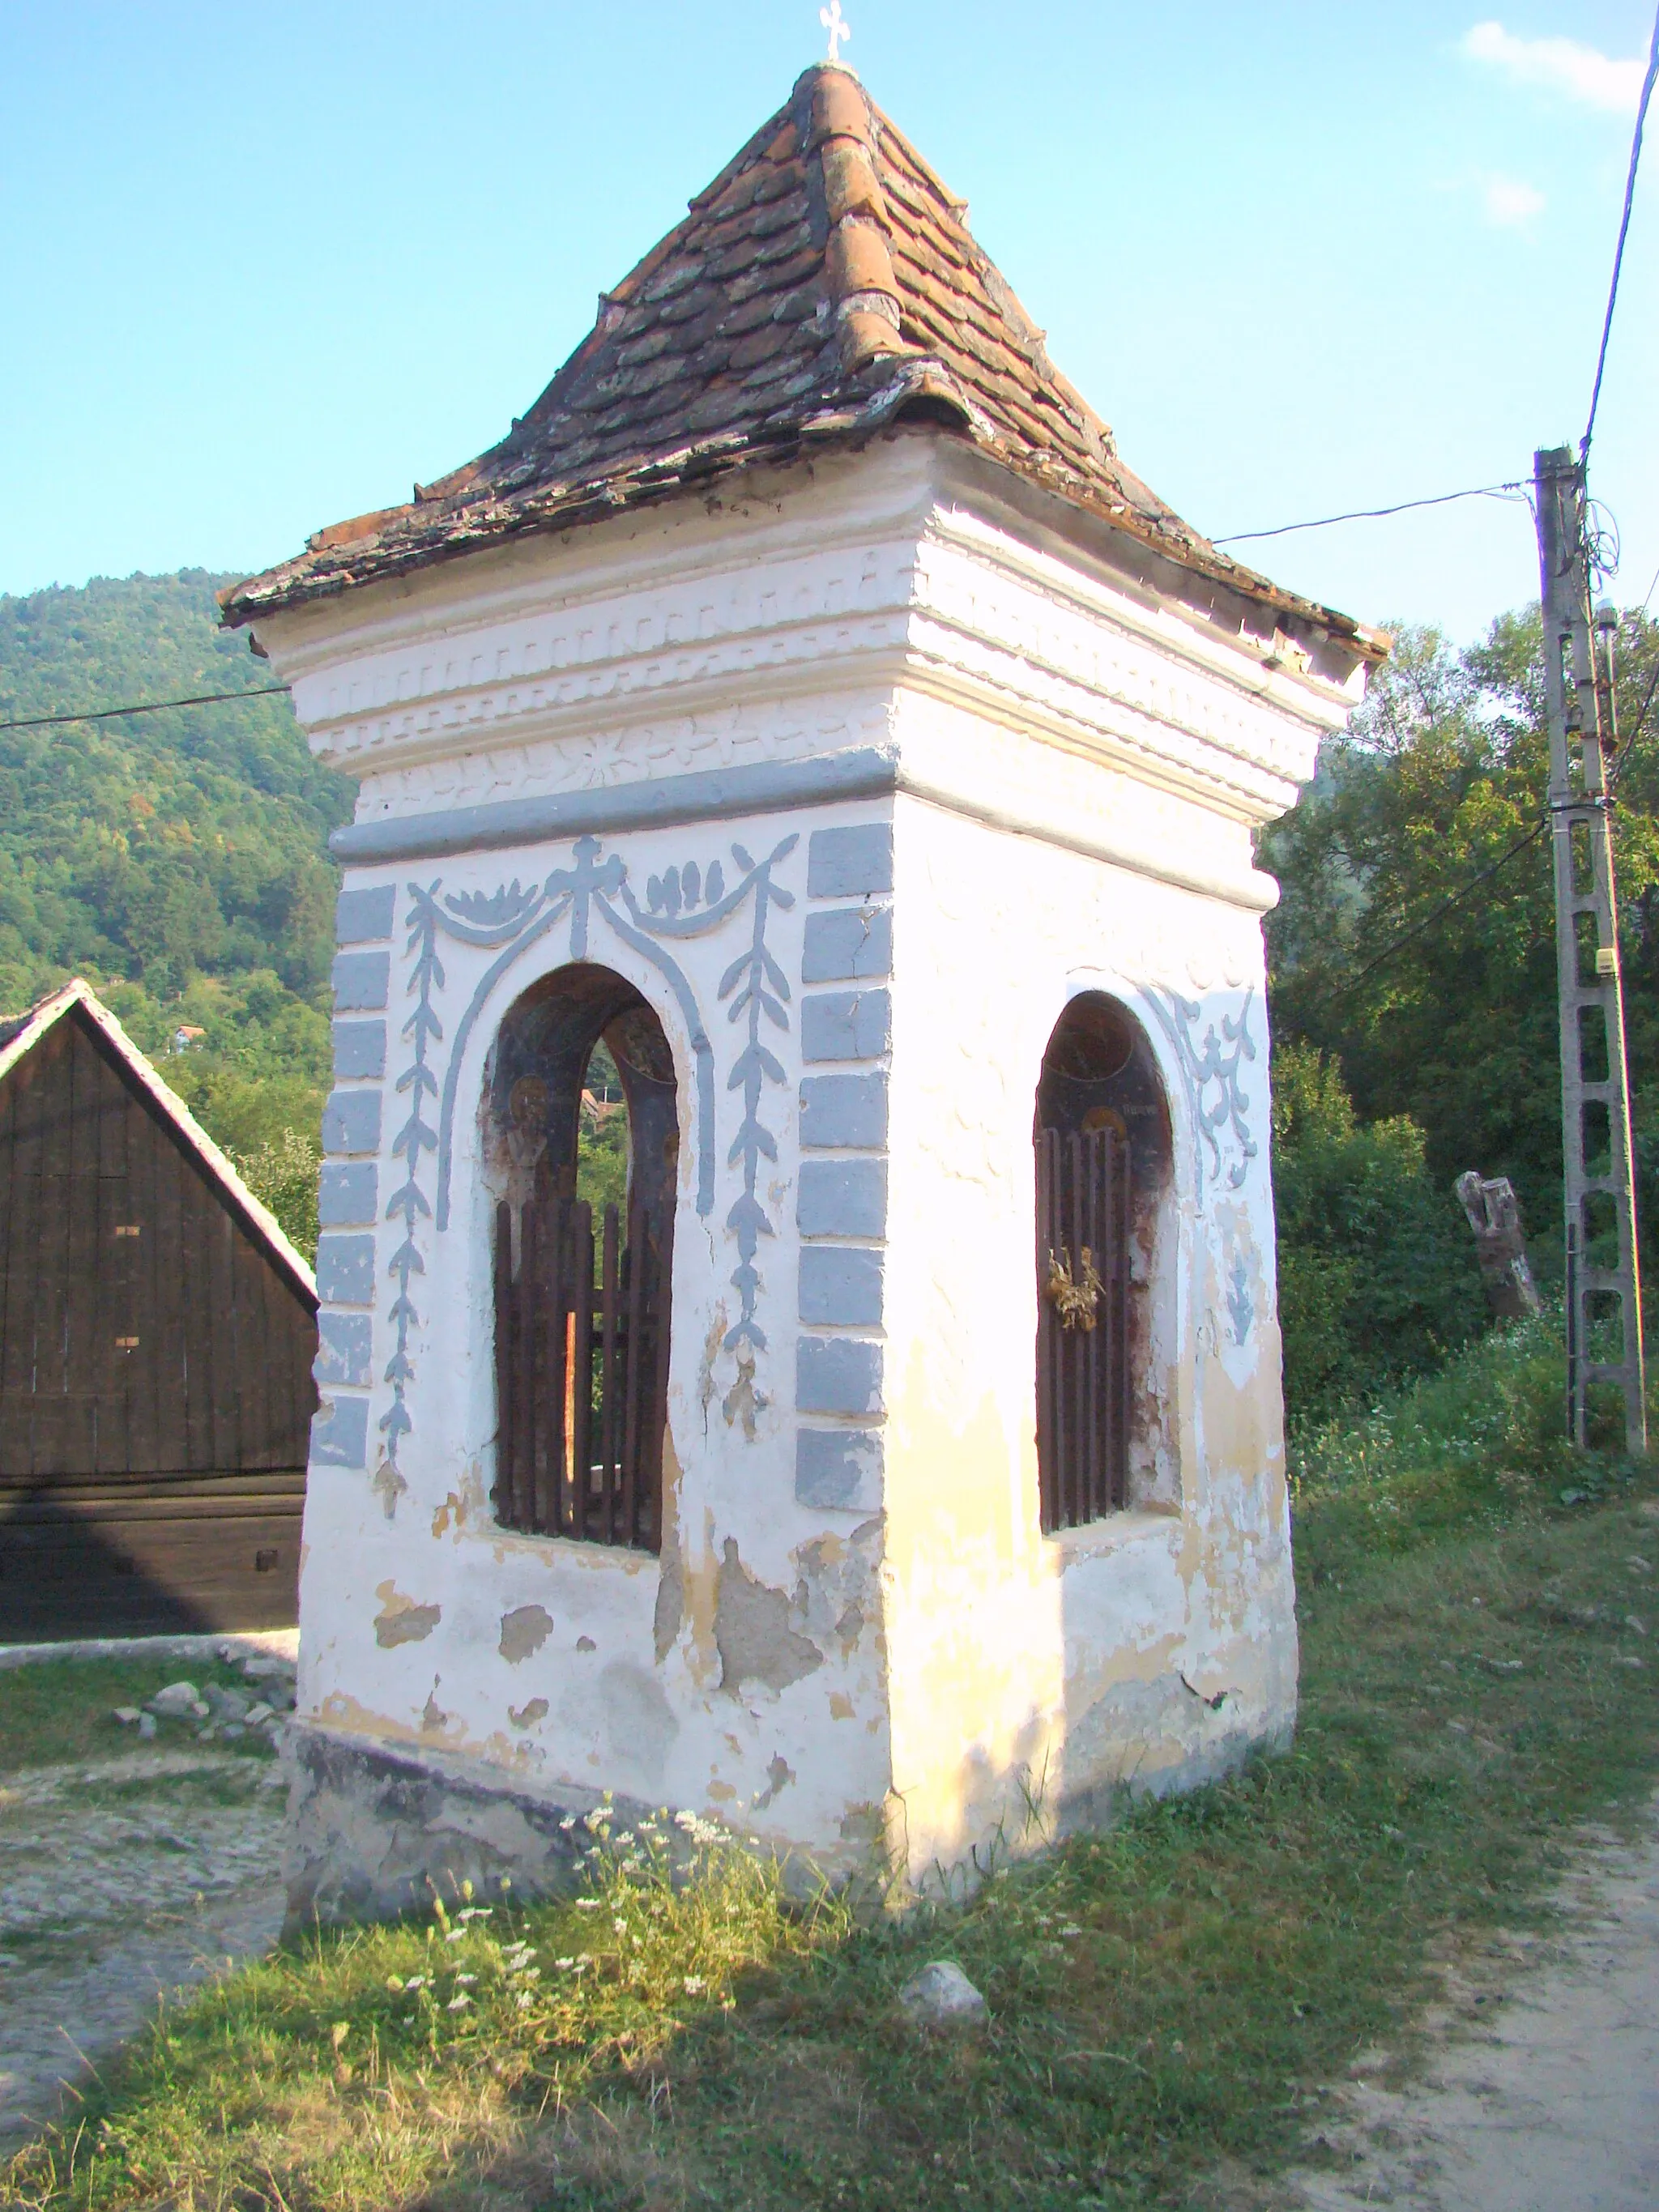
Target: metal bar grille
[(1082, 1261), (581, 1370)]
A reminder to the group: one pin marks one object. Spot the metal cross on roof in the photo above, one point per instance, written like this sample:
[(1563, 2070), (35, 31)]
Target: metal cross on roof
[(837, 26)]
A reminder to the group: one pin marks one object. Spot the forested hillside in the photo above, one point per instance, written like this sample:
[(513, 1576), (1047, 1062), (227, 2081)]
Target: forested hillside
[(178, 860)]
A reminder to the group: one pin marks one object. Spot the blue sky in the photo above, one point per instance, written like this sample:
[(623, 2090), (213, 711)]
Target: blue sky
[(262, 269)]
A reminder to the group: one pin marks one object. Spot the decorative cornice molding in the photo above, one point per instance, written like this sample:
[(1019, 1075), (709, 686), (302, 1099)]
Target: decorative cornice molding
[(945, 601), (765, 787)]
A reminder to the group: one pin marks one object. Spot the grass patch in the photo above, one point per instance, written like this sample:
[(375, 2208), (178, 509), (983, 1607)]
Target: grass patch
[(61, 1711), (1167, 1996)]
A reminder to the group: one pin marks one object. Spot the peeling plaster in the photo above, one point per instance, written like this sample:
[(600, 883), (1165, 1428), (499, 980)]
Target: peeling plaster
[(752, 1631), (524, 1632), (712, 1344), (402, 1620), (779, 1776), (524, 1717), (743, 1402)]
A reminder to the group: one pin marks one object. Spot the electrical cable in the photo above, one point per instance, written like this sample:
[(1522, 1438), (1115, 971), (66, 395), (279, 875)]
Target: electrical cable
[(147, 706), (1372, 513), (1624, 232), (1329, 998), (1635, 729)]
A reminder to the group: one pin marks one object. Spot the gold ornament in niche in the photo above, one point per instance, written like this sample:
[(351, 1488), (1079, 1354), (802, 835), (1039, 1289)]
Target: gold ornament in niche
[(1074, 1298)]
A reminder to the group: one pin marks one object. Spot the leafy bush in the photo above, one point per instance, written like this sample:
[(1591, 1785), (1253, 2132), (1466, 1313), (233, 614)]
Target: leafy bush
[(602, 1163), (1377, 1276), (282, 1175)]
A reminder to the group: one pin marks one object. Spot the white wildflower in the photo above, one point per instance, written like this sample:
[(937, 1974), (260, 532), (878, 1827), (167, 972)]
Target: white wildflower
[(464, 1981), (459, 2004), (620, 1927), (695, 1986), (564, 1964), (587, 1904)]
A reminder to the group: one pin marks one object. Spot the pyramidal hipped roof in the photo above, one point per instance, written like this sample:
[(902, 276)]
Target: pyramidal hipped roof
[(825, 286)]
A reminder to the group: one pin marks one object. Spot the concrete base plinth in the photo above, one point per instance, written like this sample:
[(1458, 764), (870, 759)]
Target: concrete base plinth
[(375, 1831)]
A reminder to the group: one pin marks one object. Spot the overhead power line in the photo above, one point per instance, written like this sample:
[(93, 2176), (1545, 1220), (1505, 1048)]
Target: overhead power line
[(145, 707), (1516, 485), (1635, 729), (1624, 232), (1410, 936)]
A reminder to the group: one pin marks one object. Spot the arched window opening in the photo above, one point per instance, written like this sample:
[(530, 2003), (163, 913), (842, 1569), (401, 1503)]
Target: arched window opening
[(1103, 1155), (583, 1139)]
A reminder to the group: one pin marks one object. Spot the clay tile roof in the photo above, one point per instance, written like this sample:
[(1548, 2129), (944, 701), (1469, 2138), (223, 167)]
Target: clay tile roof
[(823, 287)]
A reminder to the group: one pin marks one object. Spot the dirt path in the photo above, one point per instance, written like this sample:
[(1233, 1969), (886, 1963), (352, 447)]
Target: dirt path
[(121, 1878), (1542, 2094)]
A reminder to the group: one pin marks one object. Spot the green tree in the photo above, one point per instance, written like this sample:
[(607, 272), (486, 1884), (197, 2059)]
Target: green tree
[(1376, 1271), (1433, 989)]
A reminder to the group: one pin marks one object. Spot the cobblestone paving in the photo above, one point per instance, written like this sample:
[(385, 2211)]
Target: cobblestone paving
[(121, 1879)]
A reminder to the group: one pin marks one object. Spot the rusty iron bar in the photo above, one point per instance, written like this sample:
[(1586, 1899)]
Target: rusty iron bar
[(580, 1370), (1082, 1377)]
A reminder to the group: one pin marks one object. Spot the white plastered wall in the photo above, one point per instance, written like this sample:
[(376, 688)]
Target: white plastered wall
[(1031, 1674), (742, 1672)]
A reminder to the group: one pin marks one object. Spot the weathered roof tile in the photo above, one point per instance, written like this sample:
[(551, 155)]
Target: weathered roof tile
[(822, 285)]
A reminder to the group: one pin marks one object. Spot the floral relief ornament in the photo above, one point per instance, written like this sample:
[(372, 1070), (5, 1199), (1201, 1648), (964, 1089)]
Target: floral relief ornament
[(691, 900), (1212, 1070)]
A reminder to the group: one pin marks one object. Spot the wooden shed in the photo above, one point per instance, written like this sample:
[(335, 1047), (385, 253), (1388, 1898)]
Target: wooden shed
[(157, 1331)]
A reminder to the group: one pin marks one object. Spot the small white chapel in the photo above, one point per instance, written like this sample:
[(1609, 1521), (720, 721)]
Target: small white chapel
[(804, 730)]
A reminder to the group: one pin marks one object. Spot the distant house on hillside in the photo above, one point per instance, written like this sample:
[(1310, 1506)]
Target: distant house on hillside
[(157, 1331)]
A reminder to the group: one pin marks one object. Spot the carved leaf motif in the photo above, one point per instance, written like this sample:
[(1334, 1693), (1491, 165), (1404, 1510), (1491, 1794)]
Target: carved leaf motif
[(494, 909)]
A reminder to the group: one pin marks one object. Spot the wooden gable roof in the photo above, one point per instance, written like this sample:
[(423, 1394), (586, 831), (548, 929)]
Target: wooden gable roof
[(20, 1035)]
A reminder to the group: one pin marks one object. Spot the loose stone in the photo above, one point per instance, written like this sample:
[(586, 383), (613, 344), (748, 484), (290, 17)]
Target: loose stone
[(941, 1995), (176, 1700)]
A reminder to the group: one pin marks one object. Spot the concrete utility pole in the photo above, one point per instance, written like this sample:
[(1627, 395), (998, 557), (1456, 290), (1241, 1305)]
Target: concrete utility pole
[(1595, 1088)]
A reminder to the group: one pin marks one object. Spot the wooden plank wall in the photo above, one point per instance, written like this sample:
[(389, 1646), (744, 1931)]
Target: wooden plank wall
[(155, 1360)]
